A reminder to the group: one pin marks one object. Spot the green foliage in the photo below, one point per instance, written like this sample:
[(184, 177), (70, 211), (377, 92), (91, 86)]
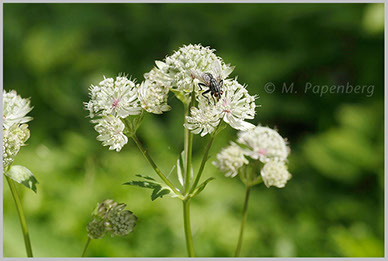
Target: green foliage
[(158, 189), (23, 176), (201, 187), (334, 202)]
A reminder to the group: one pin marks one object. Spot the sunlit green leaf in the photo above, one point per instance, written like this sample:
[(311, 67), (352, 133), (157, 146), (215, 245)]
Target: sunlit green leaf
[(23, 176)]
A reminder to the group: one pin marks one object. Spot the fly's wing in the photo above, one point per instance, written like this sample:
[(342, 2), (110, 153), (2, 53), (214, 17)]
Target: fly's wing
[(217, 70), (203, 77)]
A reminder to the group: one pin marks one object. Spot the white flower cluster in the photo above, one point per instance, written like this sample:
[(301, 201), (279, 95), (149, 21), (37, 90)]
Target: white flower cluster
[(259, 144), (234, 107), (182, 72), (110, 216), (230, 160), (15, 131), (175, 71), (264, 144), (113, 100)]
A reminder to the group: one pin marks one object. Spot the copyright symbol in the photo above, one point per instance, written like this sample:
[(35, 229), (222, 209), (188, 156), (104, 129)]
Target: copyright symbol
[(269, 87)]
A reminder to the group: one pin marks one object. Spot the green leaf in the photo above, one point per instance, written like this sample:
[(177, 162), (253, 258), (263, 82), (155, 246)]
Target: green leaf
[(158, 189), (159, 192), (145, 177), (201, 187), (23, 176)]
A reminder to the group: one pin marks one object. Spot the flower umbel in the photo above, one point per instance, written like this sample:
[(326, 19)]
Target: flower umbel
[(13, 139), (230, 160), (153, 97), (175, 71), (234, 107), (15, 109), (275, 173), (113, 97), (257, 146), (111, 132), (264, 144), (15, 131)]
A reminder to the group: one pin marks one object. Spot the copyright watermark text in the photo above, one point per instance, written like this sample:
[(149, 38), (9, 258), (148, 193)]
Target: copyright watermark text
[(320, 89)]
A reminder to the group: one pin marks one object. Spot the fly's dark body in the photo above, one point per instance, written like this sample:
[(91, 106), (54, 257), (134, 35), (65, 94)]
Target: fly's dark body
[(213, 85)]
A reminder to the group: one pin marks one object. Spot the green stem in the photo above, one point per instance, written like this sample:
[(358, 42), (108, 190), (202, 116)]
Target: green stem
[(186, 220), (244, 218), (203, 162), (150, 160), (22, 218), (86, 247), (188, 154), (188, 144)]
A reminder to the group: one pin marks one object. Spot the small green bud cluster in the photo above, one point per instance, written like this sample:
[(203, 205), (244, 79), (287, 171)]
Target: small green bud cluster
[(111, 217)]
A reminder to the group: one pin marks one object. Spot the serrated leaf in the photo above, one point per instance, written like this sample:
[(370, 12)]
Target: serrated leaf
[(201, 187), (158, 189), (145, 177), (159, 192), (23, 176)]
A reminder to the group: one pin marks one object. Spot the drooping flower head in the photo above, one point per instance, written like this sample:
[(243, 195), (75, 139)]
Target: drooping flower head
[(264, 144), (111, 132), (111, 217), (15, 131)]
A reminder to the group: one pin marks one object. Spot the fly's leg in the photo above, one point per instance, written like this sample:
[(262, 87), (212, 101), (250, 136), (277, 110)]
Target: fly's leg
[(200, 86), (213, 99), (207, 98)]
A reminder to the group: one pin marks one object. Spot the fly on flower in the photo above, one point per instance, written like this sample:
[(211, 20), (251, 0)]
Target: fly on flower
[(214, 83)]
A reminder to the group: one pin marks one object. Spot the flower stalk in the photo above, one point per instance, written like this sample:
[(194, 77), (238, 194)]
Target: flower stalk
[(23, 222), (186, 221), (152, 163), (86, 247), (243, 221), (188, 144)]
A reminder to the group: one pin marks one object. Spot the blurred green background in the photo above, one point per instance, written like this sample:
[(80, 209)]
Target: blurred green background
[(333, 205)]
